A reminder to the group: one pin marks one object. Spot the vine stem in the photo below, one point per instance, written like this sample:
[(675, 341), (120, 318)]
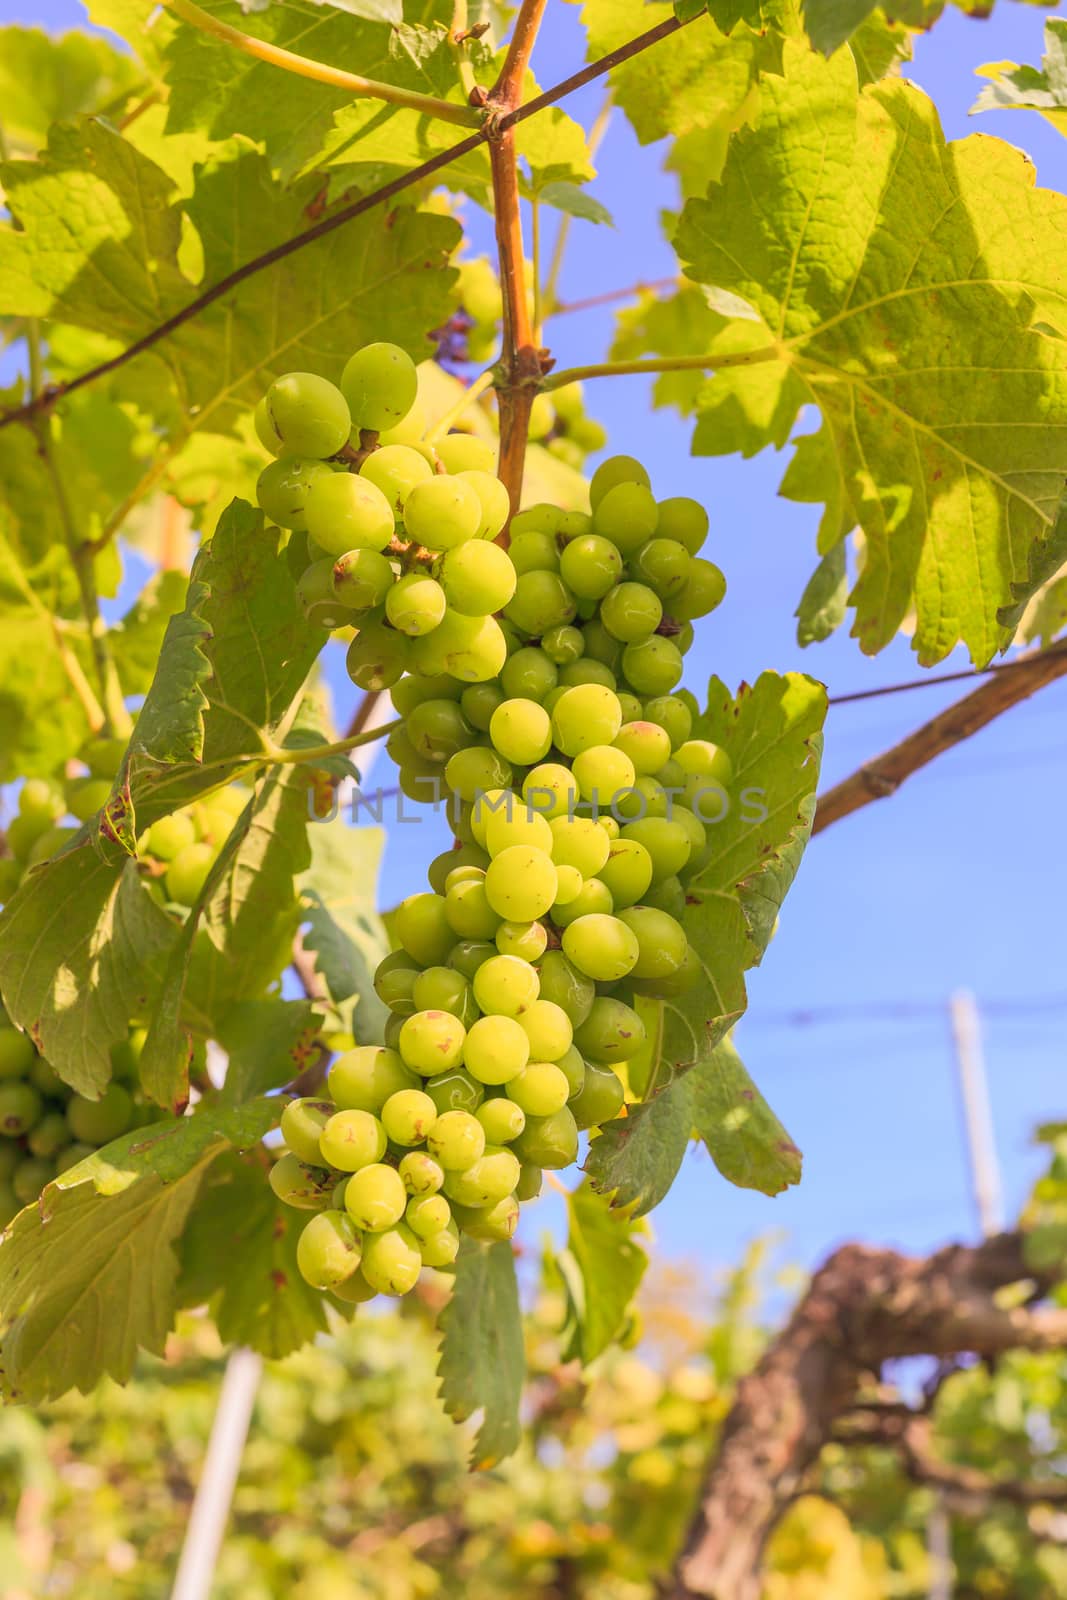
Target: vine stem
[(657, 364), (49, 397), (116, 719), (456, 35), (322, 752), (520, 366), (275, 56)]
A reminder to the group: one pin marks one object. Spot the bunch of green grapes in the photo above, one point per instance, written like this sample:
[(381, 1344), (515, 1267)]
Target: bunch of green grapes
[(180, 849), (581, 805), (45, 1128), (38, 830)]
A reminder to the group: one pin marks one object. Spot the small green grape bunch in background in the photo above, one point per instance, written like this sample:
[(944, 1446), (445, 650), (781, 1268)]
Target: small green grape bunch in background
[(180, 850), (45, 1128), (560, 423), (38, 830)]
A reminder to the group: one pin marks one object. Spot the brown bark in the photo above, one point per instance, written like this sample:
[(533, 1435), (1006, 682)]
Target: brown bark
[(864, 1307)]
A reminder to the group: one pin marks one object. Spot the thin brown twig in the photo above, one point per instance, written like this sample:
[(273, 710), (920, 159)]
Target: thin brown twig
[(357, 208), (563, 308), (883, 776)]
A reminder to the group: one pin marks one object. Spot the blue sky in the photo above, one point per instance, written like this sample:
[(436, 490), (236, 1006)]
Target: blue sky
[(949, 884)]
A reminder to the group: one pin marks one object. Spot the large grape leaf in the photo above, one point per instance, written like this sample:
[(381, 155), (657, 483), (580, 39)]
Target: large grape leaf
[(45, 80), (343, 928), (267, 1043), (80, 938), (236, 1217), (907, 286), (601, 1268), (773, 734), (483, 1360), (88, 1275)]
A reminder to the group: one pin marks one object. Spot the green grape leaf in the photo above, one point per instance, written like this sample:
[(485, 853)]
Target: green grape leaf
[(601, 1267), (575, 202), (137, 639), (635, 1159), (704, 77), (268, 1043), (82, 950), (825, 599), (237, 937), (879, 46), (744, 1138), (773, 735), (342, 927), (88, 1275), (45, 80), (144, 25), (877, 246), (483, 1361), (267, 1305), (81, 940), (830, 22)]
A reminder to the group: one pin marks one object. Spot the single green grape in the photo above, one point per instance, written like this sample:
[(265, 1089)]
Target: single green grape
[(613, 471), (701, 758), (594, 900), (512, 824), (423, 929), (600, 645), (602, 772), (526, 940), (586, 716), (444, 989), (462, 452), (533, 551), (297, 1184), (395, 986), (17, 1053), (522, 731), (363, 1079), (548, 1141), (529, 1184), (442, 1248), (470, 916), (283, 489), (662, 944), (170, 835), (540, 1089), (631, 612), (415, 605), (31, 1176), (664, 565), (569, 885), (563, 984), (456, 1140), (494, 498), (40, 801), (432, 1042), (652, 666), (87, 796), (427, 1215), (472, 772), (548, 1030), (375, 1197), (550, 790), (506, 985), (318, 602), (489, 1223), (395, 469), (464, 855), (308, 414), (347, 512), (502, 1119), (521, 882), (540, 518), (301, 1127), (489, 1179), (380, 384), (351, 1140), (684, 520), (579, 842), (628, 870), (329, 1250), (541, 601), (626, 516), (647, 745), (188, 872), (496, 1049), (392, 1260), (354, 1291), (408, 1116), (437, 729), (413, 690), (478, 702), (613, 1031), (472, 649), (600, 1098), (409, 430), (590, 566), (455, 1091), (361, 579), (563, 645), (577, 673), (377, 657), (572, 1066), (477, 578), (420, 1173), (43, 1076), (529, 674), (672, 715), (705, 588), (49, 1137), (99, 1121), (602, 947), (667, 844), (442, 512)]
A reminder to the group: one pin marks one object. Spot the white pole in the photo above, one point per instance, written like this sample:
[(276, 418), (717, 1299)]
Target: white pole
[(214, 1492), (977, 1115)]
